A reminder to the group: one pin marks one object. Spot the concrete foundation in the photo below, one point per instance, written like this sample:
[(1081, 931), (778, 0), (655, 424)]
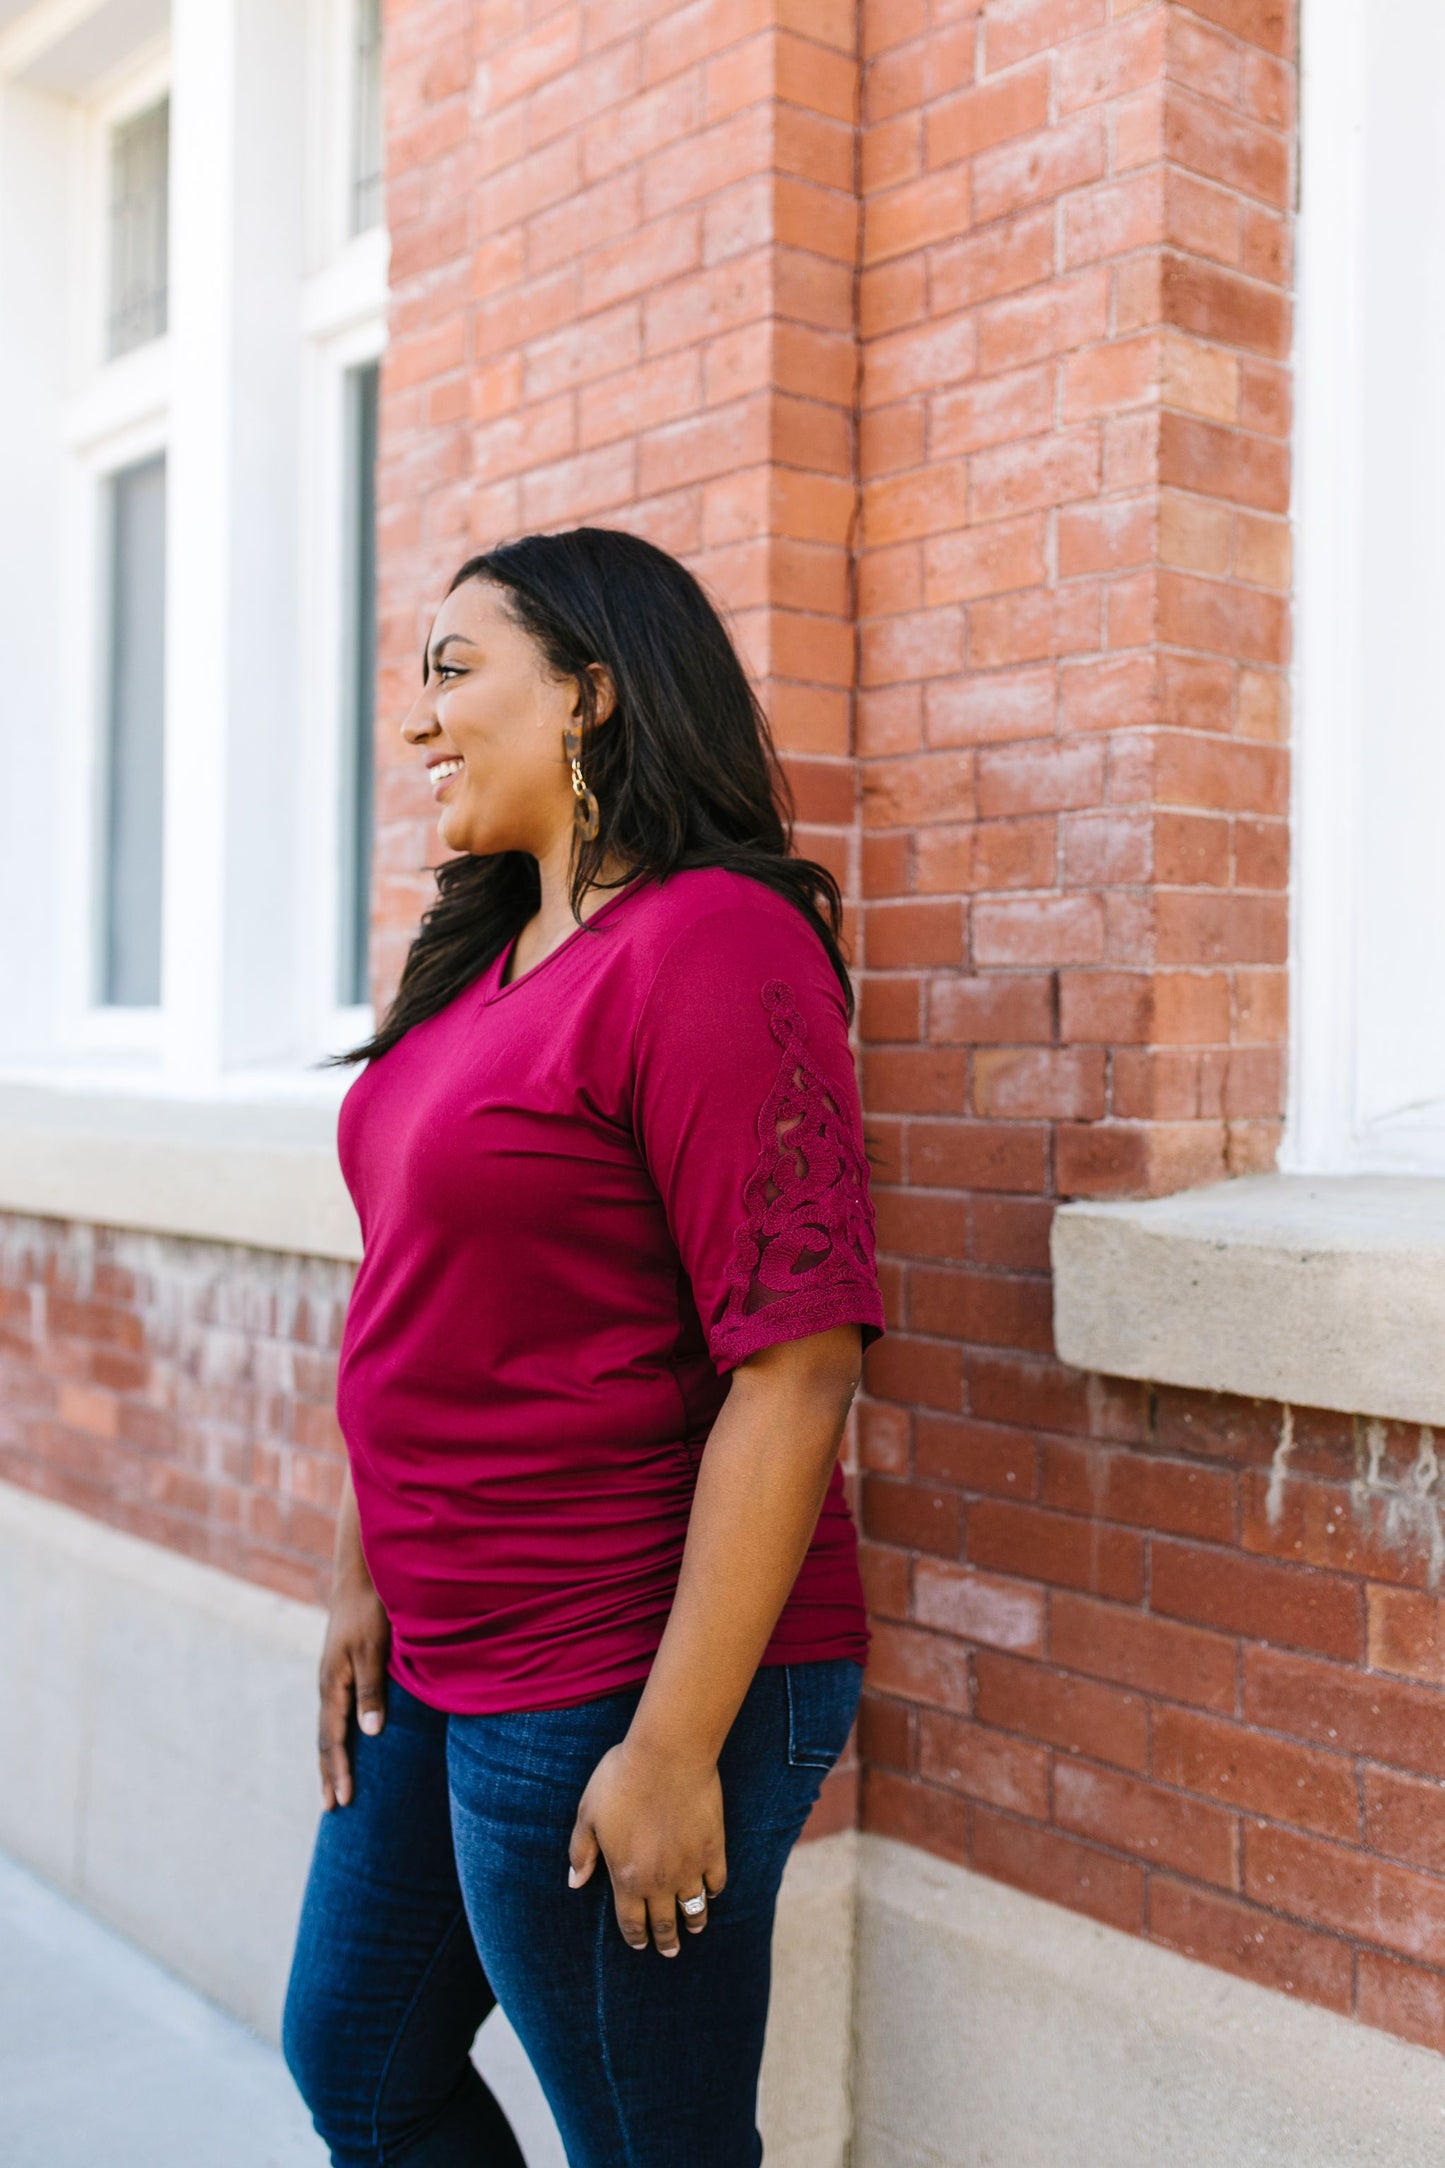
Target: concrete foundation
[(996, 2031), (158, 1766)]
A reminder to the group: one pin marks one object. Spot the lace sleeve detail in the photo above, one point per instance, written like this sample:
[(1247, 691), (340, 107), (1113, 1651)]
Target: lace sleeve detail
[(808, 1236)]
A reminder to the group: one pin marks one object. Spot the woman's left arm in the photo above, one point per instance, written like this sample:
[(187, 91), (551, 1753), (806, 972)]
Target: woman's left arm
[(653, 1806)]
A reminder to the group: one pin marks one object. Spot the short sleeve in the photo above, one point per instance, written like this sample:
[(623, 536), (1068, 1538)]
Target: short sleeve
[(745, 1106)]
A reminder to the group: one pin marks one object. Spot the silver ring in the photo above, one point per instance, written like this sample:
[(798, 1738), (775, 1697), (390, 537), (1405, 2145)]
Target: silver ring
[(693, 1905)]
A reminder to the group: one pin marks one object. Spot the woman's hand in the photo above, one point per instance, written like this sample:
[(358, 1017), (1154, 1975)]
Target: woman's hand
[(653, 1805), (353, 1656), (658, 1823), (353, 1667)]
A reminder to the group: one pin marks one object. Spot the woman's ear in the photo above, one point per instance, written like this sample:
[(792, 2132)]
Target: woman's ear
[(604, 693)]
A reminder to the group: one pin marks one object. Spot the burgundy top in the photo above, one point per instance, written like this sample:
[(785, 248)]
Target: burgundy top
[(584, 1196)]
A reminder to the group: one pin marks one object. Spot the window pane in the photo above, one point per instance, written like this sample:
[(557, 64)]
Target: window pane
[(139, 184), (134, 762), (366, 137), (359, 680), (1401, 1038)]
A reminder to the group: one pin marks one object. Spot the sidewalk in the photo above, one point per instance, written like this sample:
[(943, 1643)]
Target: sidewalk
[(106, 2058)]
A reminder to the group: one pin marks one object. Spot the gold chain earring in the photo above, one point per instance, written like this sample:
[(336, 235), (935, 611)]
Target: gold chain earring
[(585, 815)]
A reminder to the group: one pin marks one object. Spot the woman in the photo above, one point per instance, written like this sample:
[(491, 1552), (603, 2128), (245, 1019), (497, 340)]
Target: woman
[(597, 1631)]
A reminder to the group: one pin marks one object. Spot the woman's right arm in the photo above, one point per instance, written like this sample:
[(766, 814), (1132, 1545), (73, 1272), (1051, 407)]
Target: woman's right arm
[(353, 1658)]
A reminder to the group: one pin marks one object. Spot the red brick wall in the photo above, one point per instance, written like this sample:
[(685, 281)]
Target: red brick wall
[(947, 340), (623, 255), (1113, 1665), (1186, 1674), (1175, 1661), (1073, 315), (183, 1391)]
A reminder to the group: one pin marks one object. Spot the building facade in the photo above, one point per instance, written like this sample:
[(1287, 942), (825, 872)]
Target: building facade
[(1045, 389)]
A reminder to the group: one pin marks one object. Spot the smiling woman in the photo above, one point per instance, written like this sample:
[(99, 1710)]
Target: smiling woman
[(669, 738), (598, 1630)]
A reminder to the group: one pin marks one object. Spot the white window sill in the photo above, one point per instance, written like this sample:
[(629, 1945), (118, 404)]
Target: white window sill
[(1324, 1290), (259, 1168)]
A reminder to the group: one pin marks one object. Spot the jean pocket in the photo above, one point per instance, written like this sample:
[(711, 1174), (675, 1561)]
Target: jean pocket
[(822, 1703)]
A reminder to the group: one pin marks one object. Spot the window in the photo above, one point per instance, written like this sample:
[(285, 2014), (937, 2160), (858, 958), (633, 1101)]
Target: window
[(366, 122), (188, 428), (1368, 1043), (344, 315), (130, 884), (358, 677), (139, 222)]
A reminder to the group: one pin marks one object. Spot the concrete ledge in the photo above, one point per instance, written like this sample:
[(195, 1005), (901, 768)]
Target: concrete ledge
[(993, 2027), (1327, 1291), (221, 1170)]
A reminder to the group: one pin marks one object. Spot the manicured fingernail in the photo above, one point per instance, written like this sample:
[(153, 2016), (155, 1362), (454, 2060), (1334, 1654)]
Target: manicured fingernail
[(371, 1721), (574, 1880)]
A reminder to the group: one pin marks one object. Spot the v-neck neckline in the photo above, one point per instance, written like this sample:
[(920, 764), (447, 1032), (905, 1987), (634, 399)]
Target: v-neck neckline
[(499, 988)]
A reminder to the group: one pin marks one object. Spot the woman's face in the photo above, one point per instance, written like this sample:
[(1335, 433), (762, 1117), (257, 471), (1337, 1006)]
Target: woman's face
[(488, 722)]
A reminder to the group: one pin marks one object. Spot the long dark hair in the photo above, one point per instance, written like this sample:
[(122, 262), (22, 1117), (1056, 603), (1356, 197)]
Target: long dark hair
[(685, 771)]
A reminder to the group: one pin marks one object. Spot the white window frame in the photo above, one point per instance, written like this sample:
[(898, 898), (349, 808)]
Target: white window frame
[(331, 355), (144, 82), (1329, 1129), (344, 325), (140, 404), (91, 1025), (118, 414)]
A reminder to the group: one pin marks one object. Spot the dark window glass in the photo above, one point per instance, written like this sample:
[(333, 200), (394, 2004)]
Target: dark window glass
[(360, 682), (139, 186), (130, 947), (366, 135)]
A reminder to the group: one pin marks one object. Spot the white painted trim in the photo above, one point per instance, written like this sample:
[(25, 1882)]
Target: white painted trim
[(129, 394), (1345, 1113), (137, 430), (243, 395), (1327, 525), (42, 27), (1323, 1291), (84, 51), (117, 413), (144, 80), (38, 161), (331, 59), (349, 293), (344, 313)]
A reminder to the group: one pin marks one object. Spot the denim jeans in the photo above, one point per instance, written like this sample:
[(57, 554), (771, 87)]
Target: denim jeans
[(442, 1888)]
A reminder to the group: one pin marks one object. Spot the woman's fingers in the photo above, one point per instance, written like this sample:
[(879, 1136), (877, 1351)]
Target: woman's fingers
[(368, 1664), (581, 1853), (662, 1912), (710, 1883), (658, 1829), (336, 1689), (631, 1918)]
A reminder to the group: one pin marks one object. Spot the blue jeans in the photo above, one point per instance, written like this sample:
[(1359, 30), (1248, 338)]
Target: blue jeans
[(442, 1889)]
